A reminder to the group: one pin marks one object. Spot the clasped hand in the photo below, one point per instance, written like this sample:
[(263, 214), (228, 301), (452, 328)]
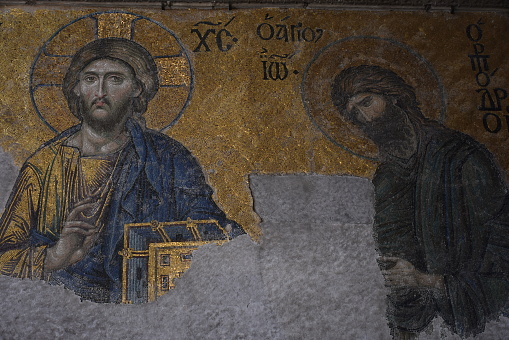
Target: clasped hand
[(399, 272)]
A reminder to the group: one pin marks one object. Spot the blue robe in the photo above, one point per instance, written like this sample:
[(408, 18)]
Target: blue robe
[(156, 178)]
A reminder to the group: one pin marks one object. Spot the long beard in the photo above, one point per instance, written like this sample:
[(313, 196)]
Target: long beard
[(392, 132)]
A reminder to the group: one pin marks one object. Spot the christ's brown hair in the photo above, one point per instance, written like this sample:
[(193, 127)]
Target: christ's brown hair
[(129, 53)]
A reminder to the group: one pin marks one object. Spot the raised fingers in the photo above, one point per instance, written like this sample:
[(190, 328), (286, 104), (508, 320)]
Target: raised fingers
[(79, 227), (80, 209)]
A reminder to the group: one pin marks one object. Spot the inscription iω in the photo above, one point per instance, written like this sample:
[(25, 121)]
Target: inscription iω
[(275, 65)]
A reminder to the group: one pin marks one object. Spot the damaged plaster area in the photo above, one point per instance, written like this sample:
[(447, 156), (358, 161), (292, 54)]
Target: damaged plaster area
[(313, 276), (8, 173)]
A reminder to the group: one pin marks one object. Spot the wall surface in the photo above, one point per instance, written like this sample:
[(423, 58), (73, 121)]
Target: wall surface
[(248, 92), (313, 276)]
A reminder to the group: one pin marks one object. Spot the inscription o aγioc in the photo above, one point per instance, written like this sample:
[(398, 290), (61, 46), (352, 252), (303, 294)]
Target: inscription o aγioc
[(176, 76), (366, 50)]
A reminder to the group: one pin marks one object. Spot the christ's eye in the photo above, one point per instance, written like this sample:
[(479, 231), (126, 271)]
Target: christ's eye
[(90, 78), (116, 79)]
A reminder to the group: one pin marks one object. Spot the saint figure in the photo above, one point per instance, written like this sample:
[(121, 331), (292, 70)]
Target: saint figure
[(441, 208), (65, 217)]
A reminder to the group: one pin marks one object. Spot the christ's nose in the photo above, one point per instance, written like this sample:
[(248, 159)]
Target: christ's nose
[(101, 89)]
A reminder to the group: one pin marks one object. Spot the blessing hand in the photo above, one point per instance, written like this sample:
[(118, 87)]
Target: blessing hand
[(76, 238)]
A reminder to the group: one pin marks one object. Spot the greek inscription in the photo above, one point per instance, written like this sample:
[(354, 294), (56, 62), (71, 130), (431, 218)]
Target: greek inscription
[(203, 39), (490, 99), (212, 38), (274, 70), (474, 31), (265, 31), (275, 66), (287, 32), (492, 122)]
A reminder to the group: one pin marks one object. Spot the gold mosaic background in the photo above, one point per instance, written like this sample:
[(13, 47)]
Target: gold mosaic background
[(238, 123)]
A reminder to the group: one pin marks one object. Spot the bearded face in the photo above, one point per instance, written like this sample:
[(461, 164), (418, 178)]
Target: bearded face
[(386, 124), (106, 90)]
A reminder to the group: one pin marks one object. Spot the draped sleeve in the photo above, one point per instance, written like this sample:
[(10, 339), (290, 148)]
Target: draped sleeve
[(460, 195), (20, 254), (194, 195), (475, 274)]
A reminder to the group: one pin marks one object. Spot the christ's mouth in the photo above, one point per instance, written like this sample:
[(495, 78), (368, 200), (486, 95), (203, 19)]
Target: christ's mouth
[(100, 102)]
